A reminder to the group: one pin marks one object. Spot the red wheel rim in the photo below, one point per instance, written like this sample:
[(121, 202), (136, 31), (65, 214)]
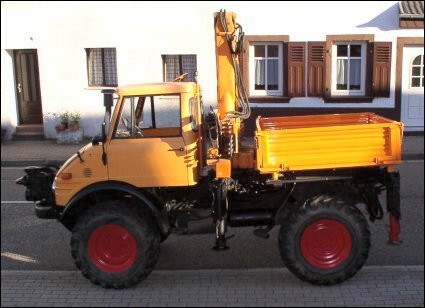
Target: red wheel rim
[(326, 243), (112, 248)]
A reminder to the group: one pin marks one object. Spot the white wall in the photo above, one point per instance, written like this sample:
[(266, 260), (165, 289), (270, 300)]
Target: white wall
[(142, 31)]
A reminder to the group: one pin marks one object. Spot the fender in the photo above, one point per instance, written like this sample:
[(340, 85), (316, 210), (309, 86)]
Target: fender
[(160, 218)]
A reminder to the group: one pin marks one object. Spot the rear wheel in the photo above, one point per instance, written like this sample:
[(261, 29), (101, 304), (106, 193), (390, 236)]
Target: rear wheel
[(325, 242), (115, 246)]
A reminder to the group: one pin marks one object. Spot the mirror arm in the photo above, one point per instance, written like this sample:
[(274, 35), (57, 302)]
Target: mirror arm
[(104, 158)]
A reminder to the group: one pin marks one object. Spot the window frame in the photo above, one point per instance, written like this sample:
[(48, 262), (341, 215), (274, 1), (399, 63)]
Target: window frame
[(244, 59), (363, 58), (265, 93), (103, 85), (153, 116), (421, 73), (332, 39)]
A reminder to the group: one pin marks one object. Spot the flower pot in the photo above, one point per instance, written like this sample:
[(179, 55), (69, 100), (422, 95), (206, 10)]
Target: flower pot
[(60, 127)]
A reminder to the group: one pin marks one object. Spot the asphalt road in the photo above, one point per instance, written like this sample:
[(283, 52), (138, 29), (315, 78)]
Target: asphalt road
[(29, 243)]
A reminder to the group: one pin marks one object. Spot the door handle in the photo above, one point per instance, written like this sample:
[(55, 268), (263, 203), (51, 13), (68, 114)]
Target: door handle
[(180, 149), (19, 88)]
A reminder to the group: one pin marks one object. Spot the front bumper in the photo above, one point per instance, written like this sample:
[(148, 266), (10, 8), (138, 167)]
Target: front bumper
[(46, 211)]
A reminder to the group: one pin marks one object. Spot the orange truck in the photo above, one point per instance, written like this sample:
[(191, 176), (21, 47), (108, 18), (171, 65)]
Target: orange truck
[(161, 163)]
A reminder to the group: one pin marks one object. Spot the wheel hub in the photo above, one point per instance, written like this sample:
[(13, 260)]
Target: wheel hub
[(112, 248), (326, 243)]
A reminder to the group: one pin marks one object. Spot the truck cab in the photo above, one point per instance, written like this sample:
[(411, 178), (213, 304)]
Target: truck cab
[(151, 141), (159, 123)]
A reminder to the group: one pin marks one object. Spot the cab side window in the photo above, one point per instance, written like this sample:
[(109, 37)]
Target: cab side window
[(149, 117), (167, 111)]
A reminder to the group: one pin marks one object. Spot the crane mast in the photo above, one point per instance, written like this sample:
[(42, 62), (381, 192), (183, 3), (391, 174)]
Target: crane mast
[(233, 107), (232, 104)]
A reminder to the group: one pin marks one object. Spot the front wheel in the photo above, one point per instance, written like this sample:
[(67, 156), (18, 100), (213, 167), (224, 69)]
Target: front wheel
[(115, 246), (325, 242)]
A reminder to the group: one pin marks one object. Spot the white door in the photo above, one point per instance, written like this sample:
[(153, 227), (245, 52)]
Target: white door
[(412, 91)]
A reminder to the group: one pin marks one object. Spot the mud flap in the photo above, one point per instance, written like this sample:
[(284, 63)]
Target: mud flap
[(393, 206)]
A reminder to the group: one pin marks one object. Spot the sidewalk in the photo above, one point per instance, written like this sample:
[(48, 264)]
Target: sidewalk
[(27, 153), (37, 152), (391, 286)]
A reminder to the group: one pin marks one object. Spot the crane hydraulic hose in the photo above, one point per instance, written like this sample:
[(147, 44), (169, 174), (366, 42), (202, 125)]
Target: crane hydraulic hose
[(235, 41)]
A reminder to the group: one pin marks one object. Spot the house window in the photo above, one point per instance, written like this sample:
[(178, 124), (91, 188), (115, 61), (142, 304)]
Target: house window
[(349, 68), (417, 72), (102, 67), (265, 69), (176, 65)]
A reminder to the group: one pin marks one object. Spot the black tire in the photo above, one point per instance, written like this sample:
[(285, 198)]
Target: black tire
[(164, 237), (135, 235), (325, 242)]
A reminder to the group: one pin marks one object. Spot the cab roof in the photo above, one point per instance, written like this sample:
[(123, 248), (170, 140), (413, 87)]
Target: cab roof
[(156, 88)]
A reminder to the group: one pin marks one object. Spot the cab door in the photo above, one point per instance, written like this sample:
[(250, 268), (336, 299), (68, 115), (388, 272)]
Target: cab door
[(147, 148)]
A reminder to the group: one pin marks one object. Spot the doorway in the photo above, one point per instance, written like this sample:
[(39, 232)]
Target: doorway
[(27, 82)]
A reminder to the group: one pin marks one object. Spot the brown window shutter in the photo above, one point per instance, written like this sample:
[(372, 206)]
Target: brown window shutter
[(296, 69), (381, 69), (316, 68)]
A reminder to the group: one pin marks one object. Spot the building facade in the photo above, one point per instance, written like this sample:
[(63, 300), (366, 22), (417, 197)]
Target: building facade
[(298, 57)]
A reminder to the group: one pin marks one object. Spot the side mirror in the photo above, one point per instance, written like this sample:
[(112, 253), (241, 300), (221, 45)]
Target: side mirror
[(193, 124), (193, 119), (107, 99), (97, 139)]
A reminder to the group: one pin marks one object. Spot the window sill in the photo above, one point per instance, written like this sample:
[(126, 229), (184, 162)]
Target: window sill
[(348, 99), (269, 99)]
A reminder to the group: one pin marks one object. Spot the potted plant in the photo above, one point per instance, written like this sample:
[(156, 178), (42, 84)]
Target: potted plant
[(4, 136), (64, 116), (74, 120)]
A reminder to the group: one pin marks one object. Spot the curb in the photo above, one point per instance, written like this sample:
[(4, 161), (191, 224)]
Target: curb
[(43, 162), (371, 268), (26, 163)]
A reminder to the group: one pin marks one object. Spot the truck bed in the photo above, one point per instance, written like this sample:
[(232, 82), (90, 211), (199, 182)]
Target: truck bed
[(327, 142)]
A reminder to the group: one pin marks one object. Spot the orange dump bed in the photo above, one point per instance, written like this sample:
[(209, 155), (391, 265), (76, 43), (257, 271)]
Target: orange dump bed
[(327, 141)]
